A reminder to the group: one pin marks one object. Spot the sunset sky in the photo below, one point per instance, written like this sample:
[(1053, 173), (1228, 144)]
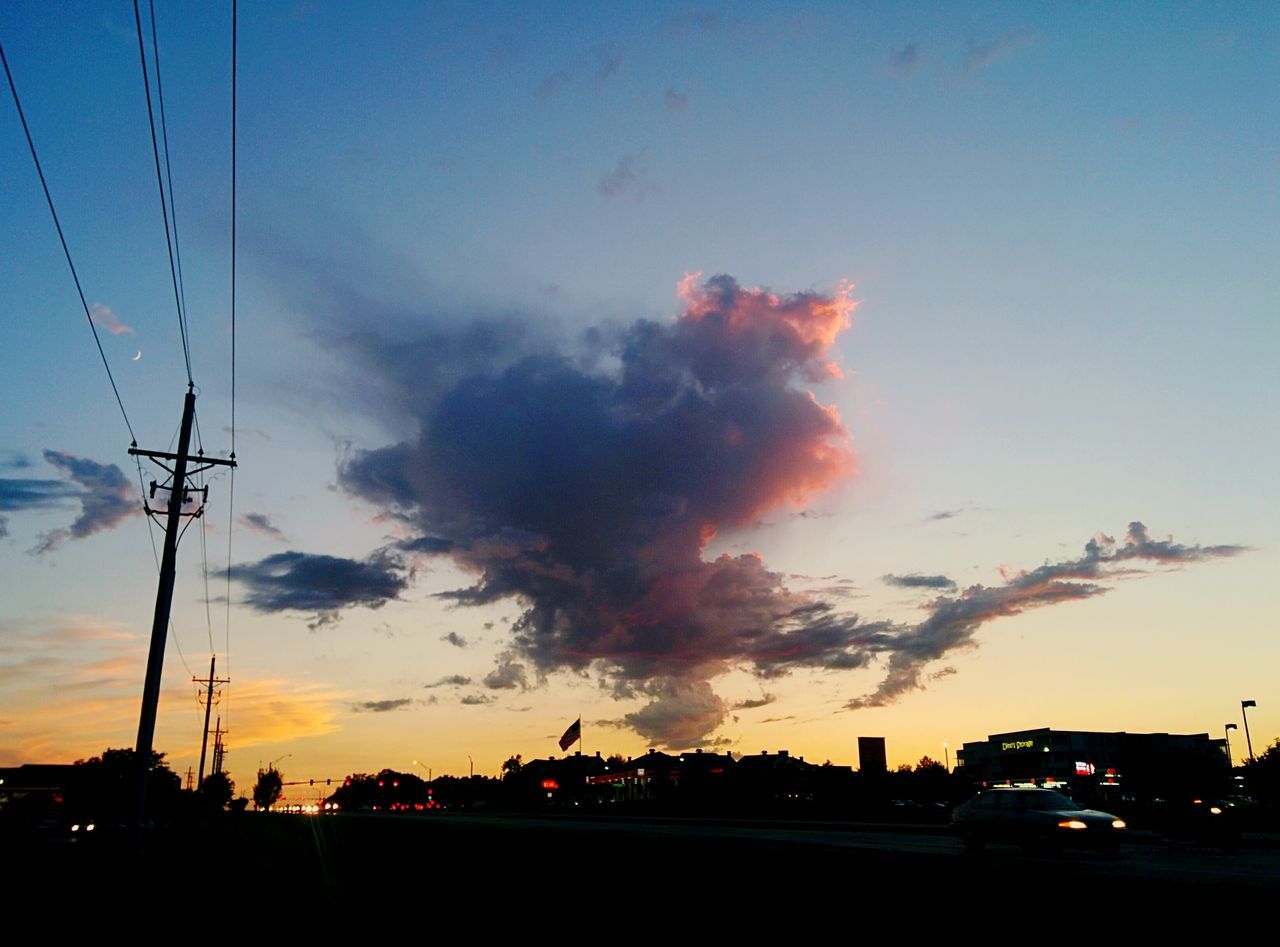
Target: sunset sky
[(747, 376)]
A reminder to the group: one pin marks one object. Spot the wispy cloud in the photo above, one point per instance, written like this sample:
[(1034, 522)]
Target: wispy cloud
[(454, 639), (473, 700), (953, 620), (916, 581), (608, 61), (627, 177), (980, 55), (450, 680), (552, 85), (104, 318), (753, 703), (381, 706), (261, 522), (906, 60)]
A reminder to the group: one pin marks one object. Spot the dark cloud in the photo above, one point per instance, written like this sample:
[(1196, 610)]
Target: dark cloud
[(476, 699), (381, 706), (752, 703), (261, 522), (681, 713), (552, 84), (905, 61), (943, 515), (916, 581), (589, 494), (980, 56), (953, 621), (105, 498), (306, 582), (674, 100), (450, 680), (454, 639), (584, 483), (16, 494)]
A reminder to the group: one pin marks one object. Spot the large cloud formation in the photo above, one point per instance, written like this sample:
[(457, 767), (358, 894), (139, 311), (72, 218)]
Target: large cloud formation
[(588, 487), (589, 492)]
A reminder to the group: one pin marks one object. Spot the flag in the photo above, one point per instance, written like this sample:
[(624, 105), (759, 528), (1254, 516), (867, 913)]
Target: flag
[(1248, 703), (572, 735)]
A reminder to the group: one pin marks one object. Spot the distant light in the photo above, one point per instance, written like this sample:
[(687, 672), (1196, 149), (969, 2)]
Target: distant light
[(1214, 809), (1077, 824), (90, 827), (1118, 823), (76, 827)]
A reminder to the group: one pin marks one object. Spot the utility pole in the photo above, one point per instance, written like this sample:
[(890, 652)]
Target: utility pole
[(178, 496), (219, 748), (208, 684)]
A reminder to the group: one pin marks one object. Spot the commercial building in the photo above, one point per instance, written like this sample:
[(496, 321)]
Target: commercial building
[(1106, 765)]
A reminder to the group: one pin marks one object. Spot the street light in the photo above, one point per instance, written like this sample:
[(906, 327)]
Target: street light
[(430, 778), (473, 765), (1227, 733), (1244, 705), (946, 752), (272, 764)]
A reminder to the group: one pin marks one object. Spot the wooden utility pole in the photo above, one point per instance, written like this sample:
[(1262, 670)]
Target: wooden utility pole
[(179, 495), (209, 683)]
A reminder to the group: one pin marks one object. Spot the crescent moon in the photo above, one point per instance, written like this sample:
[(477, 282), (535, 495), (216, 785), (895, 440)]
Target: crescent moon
[(136, 357)]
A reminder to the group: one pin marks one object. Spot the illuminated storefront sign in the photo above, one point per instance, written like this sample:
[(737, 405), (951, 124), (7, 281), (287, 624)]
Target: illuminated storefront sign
[(1018, 745)]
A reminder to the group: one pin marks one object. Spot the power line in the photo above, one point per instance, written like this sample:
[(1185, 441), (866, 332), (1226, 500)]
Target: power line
[(231, 492), (61, 237), (164, 206), (168, 170)]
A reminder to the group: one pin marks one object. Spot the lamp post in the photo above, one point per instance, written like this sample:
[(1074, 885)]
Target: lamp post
[(1245, 705), (430, 778), (1227, 733), (946, 752), (473, 765)]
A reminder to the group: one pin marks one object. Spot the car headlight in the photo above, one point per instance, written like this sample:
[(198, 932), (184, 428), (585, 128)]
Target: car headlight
[(1215, 810), (1118, 823), (1072, 824)]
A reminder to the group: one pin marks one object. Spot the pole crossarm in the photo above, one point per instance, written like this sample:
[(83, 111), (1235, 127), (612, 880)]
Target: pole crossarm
[(198, 458)]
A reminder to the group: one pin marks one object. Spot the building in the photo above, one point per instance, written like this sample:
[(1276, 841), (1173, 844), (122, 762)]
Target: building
[(1104, 765), (872, 760)]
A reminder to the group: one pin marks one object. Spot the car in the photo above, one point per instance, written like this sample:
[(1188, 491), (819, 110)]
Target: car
[(1038, 819)]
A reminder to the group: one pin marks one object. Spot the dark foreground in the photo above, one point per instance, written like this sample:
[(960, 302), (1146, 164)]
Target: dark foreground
[(490, 868)]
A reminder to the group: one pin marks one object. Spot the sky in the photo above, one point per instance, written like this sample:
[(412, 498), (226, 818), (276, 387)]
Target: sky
[(736, 376)]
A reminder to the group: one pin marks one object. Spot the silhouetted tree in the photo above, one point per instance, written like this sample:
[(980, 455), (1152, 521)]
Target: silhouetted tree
[(1262, 775), (104, 786), (268, 787), (217, 790), (511, 768)]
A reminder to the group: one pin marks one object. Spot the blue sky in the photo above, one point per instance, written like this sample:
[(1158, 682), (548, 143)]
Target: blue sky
[(1060, 224)]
